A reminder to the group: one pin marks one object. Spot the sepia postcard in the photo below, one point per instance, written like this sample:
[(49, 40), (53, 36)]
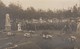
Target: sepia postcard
[(39, 24)]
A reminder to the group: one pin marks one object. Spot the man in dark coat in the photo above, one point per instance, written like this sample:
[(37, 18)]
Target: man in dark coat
[(67, 27)]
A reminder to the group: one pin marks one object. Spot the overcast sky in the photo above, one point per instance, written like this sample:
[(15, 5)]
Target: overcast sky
[(43, 4)]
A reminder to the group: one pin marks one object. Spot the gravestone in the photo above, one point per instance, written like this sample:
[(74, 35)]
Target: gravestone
[(19, 27)]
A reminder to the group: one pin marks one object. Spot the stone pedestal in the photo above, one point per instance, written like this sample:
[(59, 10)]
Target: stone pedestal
[(7, 28)]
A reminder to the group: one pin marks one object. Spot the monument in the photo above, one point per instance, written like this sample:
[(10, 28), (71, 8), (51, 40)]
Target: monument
[(7, 23), (19, 27)]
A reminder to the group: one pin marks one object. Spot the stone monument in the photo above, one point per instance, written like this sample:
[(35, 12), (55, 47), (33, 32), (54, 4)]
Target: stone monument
[(7, 23), (19, 27)]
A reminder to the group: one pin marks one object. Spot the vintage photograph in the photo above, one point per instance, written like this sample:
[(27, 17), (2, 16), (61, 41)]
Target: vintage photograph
[(39, 24)]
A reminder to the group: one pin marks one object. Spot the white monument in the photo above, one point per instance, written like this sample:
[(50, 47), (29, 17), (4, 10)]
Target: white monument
[(7, 23), (19, 27)]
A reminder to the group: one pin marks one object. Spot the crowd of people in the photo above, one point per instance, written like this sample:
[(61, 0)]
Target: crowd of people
[(71, 26)]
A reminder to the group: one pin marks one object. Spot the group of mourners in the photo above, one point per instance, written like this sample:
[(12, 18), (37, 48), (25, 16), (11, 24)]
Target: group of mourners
[(71, 26)]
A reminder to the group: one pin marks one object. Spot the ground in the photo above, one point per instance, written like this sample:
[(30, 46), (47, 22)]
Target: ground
[(36, 41)]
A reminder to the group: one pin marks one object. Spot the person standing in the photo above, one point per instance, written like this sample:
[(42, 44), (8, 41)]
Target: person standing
[(73, 25), (67, 27)]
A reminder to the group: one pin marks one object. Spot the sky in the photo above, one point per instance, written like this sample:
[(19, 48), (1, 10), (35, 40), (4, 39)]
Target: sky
[(43, 4)]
